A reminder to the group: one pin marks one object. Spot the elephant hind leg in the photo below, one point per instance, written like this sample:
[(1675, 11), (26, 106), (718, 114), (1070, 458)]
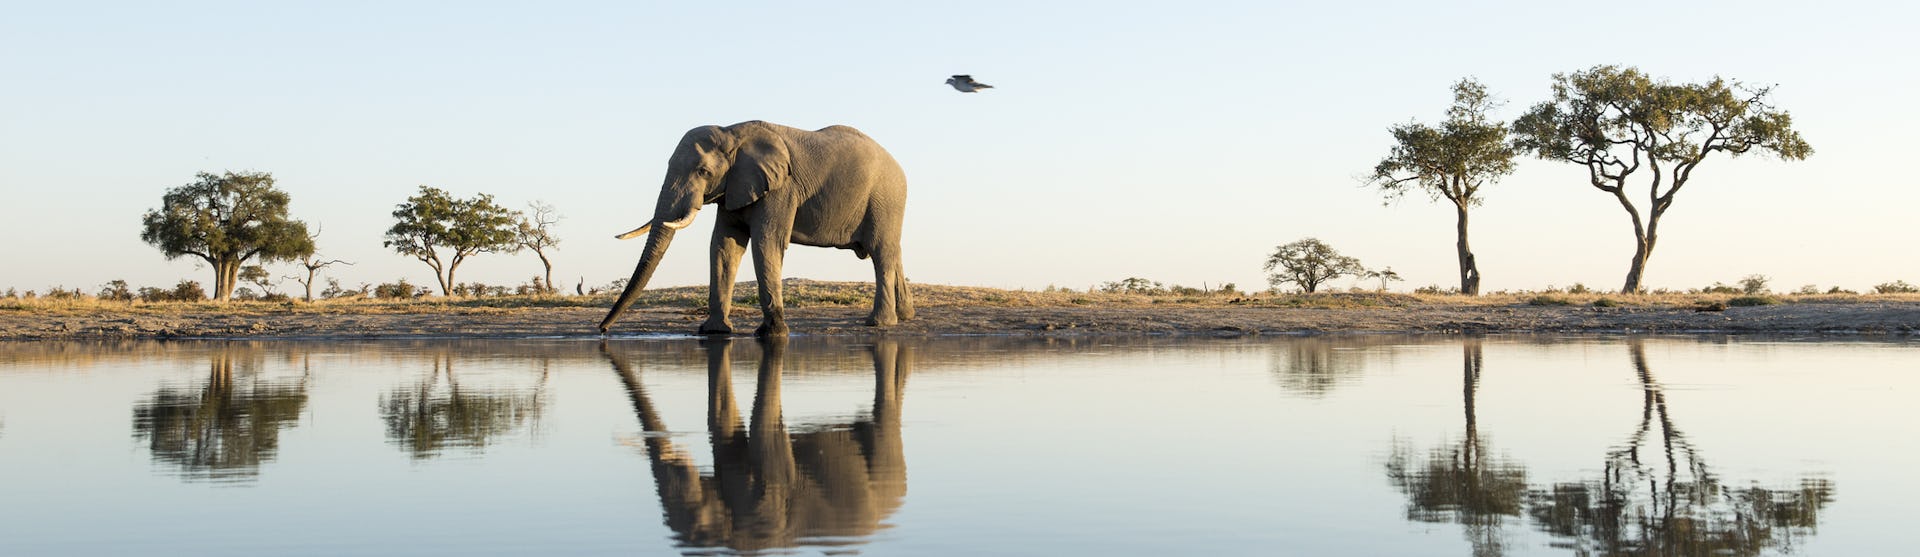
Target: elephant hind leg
[(891, 301)]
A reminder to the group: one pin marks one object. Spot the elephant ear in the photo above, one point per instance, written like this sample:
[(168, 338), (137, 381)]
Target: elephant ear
[(761, 165)]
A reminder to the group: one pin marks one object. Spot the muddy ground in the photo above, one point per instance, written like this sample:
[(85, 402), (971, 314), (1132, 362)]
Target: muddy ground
[(1896, 317)]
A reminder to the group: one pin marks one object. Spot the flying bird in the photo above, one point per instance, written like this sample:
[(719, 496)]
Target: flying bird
[(966, 84)]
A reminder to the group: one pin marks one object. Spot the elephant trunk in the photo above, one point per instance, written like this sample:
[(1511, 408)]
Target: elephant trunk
[(656, 248)]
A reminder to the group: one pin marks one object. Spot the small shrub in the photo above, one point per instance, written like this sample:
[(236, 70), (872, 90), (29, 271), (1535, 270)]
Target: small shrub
[(1435, 289), (1808, 290), (1895, 287), (1714, 305), (1839, 290), (1079, 301), (400, 290), (62, 293), (1750, 301), (12, 294), (1753, 284), (1133, 285), (117, 291), (1579, 288), (1549, 300), (188, 291), (1719, 288), (1605, 303)]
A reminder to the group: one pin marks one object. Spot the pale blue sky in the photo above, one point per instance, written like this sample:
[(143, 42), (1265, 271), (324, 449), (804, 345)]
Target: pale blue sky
[(1176, 142)]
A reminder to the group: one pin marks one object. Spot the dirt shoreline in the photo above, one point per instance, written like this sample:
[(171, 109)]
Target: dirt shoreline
[(1871, 318)]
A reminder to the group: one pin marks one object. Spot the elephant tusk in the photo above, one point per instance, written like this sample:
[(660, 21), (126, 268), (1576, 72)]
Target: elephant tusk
[(684, 221), (636, 232)]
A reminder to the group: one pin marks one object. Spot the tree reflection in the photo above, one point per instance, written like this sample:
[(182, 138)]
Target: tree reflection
[(1314, 366), (1675, 504), (769, 487), (437, 414), (225, 429), (1462, 483)]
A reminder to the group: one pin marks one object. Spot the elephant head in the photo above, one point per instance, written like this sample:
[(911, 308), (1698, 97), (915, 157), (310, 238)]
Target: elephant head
[(734, 165)]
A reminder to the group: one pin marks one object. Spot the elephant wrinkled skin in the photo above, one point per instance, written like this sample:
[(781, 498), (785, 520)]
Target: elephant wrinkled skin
[(832, 187)]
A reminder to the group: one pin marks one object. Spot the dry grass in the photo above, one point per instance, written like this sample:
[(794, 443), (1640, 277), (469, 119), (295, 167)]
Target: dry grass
[(802, 293)]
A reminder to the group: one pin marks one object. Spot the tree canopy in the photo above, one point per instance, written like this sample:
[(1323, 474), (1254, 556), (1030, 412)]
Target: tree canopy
[(1452, 162), (226, 219), (1629, 129), (1309, 263), (442, 231)]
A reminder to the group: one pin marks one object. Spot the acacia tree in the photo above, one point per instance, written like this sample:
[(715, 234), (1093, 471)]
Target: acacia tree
[(1309, 263), (535, 232), (1627, 129), (432, 222), (226, 220), (1451, 162)]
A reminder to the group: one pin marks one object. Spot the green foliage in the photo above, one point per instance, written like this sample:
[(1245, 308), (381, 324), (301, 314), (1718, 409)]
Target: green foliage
[(1605, 303), (1433, 289), (1453, 161), (1808, 290), (1750, 301), (1895, 287), (432, 224), (1385, 275), (1308, 263), (1753, 284), (1624, 127), (226, 220)]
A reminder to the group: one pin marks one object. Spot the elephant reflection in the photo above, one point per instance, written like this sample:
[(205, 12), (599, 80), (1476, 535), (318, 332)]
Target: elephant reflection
[(434, 415), (1675, 504), (226, 429), (1463, 483), (770, 487)]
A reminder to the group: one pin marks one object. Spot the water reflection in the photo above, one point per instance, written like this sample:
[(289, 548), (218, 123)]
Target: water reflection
[(223, 430), (1655, 494), (1314, 366), (1675, 504), (1463, 483), (770, 487), (436, 413)]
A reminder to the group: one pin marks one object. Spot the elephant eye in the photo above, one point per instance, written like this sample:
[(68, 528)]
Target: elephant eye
[(702, 171)]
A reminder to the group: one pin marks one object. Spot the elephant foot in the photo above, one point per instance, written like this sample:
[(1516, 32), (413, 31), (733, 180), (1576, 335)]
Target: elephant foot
[(716, 328), (772, 328), (906, 314), (881, 320)]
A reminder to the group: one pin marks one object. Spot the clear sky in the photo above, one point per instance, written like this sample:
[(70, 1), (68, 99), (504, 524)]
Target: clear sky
[(1178, 142)]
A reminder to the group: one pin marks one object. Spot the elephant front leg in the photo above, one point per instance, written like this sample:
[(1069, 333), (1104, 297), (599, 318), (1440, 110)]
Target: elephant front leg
[(769, 250), (729, 242)]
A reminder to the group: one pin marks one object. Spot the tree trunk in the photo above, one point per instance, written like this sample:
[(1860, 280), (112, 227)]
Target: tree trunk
[(549, 268), (309, 283), (1469, 271), (225, 274), (445, 278)]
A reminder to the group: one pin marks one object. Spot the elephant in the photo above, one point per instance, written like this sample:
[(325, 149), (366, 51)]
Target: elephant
[(771, 487), (832, 187)]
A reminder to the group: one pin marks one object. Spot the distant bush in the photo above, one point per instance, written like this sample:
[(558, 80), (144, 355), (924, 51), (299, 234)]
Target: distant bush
[(1895, 287), (1719, 288), (1549, 300), (1579, 288), (116, 290), (1839, 290), (1714, 305), (1753, 284), (479, 290), (1808, 290), (185, 291), (1750, 301), (1133, 285), (1436, 289), (400, 290), (12, 294), (1605, 303), (62, 293), (334, 291)]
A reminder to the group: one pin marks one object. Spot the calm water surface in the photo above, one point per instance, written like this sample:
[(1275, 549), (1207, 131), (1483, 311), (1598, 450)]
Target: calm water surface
[(1370, 445)]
